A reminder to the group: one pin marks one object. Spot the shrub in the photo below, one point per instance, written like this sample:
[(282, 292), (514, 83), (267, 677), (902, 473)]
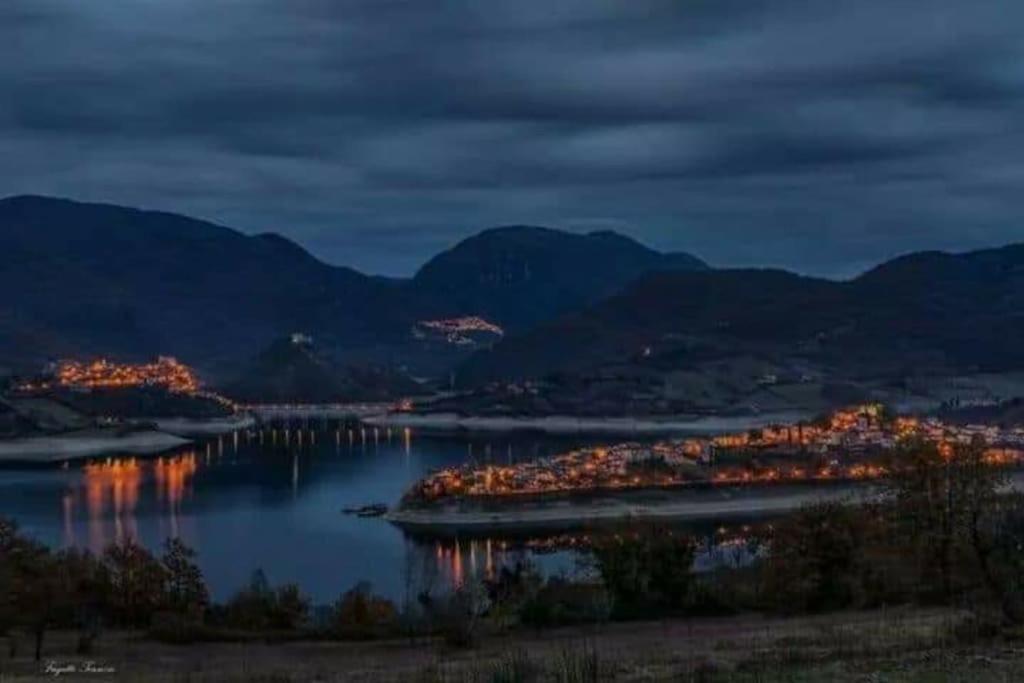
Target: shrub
[(361, 614), (136, 583), (186, 590), (999, 551), (457, 617), (647, 572), (560, 602), (510, 590), (815, 559), (260, 607)]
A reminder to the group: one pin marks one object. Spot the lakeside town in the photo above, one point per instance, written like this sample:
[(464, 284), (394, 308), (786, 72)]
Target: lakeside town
[(849, 445), (101, 373)]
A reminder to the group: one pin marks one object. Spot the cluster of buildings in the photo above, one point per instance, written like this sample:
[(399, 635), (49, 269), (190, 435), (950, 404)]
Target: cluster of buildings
[(846, 446), (621, 466), (462, 331), (164, 372), (863, 430)]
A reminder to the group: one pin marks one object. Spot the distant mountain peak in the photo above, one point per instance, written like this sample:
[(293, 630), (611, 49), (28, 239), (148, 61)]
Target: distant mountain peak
[(517, 228), (609, 234), (926, 312), (37, 199), (518, 275)]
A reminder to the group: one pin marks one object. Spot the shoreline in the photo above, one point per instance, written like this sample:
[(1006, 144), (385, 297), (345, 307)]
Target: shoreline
[(718, 503), (447, 423), (186, 427), (53, 449), (564, 515)]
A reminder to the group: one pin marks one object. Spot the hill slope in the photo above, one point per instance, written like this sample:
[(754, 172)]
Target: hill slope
[(929, 311), (291, 371), (518, 276), (94, 279), (86, 279)]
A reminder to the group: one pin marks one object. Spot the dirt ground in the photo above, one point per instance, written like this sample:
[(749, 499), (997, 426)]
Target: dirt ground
[(899, 645)]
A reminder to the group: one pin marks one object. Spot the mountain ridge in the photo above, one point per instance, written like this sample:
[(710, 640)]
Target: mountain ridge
[(101, 279), (509, 273), (955, 310)]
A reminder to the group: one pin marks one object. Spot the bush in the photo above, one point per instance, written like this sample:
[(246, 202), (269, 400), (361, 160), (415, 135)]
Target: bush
[(648, 572), (560, 602), (360, 614), (186, 590), (510, 589), (457, 617), (723, 592), (816, 559), (999, 551), (259, 607), (136, 583)]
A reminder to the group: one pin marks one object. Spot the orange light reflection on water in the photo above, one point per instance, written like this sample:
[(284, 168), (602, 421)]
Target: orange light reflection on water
[(451, 558), (110, 492)]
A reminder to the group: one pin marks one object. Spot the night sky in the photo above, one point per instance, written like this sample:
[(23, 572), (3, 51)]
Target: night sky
[(822, 136)]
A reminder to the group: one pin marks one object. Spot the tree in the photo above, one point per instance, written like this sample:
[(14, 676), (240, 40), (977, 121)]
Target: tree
[(38, 591), (361, 614), (186, 590), (943, 497), (816, 558), (291, 607), (259, 606), (457, 616), (84, 578), (136, 583), (40, 588), (249, 608), (999, 548), (9, 542), (652, 568)]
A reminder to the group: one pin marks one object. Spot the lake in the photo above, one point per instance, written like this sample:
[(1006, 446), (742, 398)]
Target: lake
[(272, 500)]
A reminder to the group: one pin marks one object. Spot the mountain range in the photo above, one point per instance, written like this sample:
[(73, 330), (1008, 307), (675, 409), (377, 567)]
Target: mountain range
[(928, 312), (94, 279)]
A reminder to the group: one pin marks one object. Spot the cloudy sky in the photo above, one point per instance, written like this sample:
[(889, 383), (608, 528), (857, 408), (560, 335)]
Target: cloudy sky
[(821, 136)]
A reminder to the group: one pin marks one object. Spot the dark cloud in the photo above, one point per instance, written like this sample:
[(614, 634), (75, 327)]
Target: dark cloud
[(819, 136)]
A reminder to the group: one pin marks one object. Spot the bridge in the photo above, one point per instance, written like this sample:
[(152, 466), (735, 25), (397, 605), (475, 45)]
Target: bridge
[(306, 413)]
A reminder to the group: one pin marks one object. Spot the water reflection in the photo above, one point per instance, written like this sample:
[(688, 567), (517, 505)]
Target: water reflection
[(104, 499), (111, 493), (110, 490), (259, 499), (452, 563), (460, 560)]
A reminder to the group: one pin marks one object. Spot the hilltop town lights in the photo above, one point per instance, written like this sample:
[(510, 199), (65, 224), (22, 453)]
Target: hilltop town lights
[(101, 373)]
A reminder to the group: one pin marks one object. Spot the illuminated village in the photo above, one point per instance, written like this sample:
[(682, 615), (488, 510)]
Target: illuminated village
[(846, 447), (164, 372), (458, 331)]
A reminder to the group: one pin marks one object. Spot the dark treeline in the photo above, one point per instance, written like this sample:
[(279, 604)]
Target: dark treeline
[(944, 532)]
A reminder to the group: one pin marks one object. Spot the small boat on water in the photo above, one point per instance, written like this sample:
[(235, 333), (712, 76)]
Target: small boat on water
[(372, 510)]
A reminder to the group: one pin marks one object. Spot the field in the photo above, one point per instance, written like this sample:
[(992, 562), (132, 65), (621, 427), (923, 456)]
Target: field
[(895, 645)]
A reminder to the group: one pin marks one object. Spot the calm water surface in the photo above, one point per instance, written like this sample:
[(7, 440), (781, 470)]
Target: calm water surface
[(252, 500)]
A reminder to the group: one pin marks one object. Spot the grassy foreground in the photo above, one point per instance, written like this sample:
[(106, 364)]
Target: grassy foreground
[(895, 645)]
